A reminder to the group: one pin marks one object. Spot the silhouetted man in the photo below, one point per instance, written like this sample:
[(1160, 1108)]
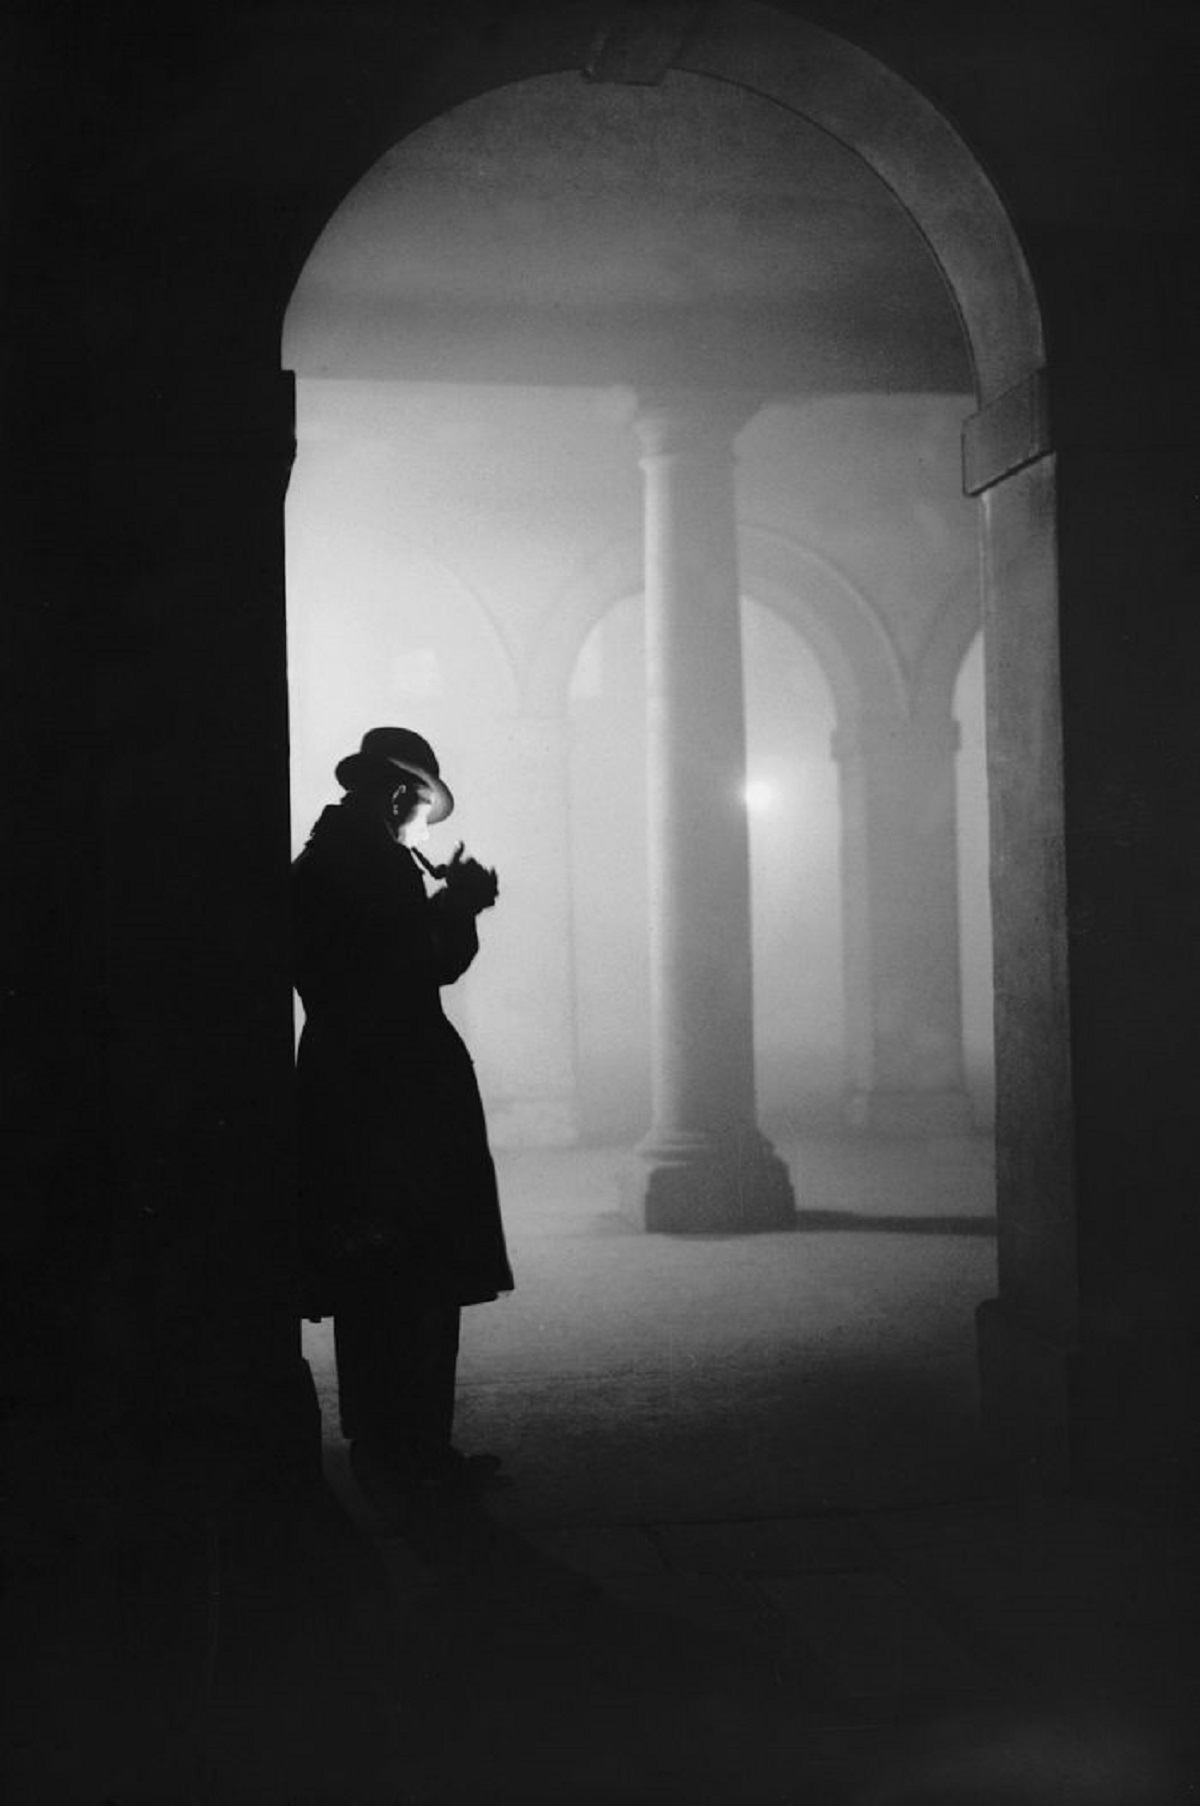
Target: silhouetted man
[(400, 1216)]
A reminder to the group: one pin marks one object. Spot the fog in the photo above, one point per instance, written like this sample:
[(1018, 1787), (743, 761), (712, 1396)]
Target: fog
[(464, 560), (478, 334)]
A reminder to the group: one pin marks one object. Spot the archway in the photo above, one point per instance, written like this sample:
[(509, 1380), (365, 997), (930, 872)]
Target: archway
[(941, 187)]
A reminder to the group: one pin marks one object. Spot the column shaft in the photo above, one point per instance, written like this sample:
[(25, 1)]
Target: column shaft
[(699, 850), (704, 1163)]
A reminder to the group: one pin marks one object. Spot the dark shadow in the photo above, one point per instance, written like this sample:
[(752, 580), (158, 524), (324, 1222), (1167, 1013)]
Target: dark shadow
[(856, 1220), (578, 1682)]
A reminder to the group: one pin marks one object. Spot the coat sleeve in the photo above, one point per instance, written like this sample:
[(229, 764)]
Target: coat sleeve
[(455, 936)]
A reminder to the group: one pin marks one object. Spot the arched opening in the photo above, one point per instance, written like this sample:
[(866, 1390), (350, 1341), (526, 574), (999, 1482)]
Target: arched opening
[(792, 804), (848, 448), (465, 277), (795, 878)]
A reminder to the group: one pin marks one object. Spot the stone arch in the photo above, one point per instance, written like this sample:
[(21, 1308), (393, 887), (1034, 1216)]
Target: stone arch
[(847, 636), (913, 149), (486, 665), (833, 84), (955, 630), (482, 663), (955, 627), (837, 623), (566, 623)]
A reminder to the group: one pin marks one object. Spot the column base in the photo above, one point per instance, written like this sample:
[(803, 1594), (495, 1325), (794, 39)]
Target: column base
[(699, 1185), (913, 1112)]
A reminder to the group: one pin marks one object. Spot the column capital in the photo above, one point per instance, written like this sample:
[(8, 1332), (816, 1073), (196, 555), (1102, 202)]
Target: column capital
[(671, 421)]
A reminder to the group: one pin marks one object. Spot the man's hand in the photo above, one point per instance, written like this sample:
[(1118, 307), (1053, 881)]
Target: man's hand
[(470, 884)]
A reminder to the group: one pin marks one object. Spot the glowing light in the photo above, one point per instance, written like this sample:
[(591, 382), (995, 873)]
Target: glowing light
[(758, 796)]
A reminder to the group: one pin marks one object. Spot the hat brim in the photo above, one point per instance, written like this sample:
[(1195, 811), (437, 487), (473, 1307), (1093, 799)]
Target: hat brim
[(351, 770)]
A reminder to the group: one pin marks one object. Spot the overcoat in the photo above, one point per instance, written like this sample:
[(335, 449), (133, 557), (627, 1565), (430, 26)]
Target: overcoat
[(395, 1170)]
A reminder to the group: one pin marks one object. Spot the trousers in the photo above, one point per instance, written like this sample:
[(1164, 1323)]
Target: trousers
[(397, 1352)]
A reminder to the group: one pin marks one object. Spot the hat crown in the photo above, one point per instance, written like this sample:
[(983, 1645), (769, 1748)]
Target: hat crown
[(404, 751), (402, 744)]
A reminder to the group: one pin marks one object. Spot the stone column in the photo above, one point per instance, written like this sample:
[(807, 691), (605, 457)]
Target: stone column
[(703, 1165), (1029, 1334), (900, 883)]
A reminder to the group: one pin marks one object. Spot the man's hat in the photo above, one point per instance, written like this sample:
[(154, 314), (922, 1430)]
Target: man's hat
[(406, 751)]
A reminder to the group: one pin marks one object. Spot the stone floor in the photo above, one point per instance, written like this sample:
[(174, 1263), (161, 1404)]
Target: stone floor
[(634, 1377), (691, 1616), (953, 1653), (711, 1583)]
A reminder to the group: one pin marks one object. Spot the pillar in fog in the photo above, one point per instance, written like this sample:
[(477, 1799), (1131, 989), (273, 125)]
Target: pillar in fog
[(900, 881), (704, 1164)]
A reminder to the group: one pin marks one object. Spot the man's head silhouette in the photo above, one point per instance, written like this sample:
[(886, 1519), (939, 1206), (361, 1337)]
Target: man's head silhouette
[(386, 751)]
